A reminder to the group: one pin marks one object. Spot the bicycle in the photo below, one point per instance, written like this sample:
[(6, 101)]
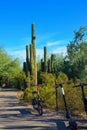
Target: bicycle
[(37, 103)]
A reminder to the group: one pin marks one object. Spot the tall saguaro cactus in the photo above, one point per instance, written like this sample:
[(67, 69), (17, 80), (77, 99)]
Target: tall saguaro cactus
[(52, 60), (27, 60), (25, 68), (30, 66), (49, 66), (31, 59), (45, 59), (34, 55), (42, 65)]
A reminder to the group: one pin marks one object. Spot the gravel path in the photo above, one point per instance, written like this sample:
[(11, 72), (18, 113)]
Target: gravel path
[(16, 116)]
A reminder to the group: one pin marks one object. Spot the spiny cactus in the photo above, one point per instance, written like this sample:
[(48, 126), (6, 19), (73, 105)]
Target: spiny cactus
[(27, 53), (45, 59), (34, 55), (52, 60), (42, 65), (31, 59), (49, 66), (24, 67), (27, 60)]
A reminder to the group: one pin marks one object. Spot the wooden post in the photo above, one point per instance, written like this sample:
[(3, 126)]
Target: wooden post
[(56, 99)]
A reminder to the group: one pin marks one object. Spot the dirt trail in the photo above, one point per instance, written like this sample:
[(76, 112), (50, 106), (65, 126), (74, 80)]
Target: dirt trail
[(16, 116)]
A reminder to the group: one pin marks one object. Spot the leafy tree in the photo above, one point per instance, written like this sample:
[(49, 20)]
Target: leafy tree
[(20, 80), (77, 55), (58, 63), (9, 68)]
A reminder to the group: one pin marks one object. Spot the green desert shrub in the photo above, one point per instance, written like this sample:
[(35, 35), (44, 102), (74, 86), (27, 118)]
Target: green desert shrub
[(48, 93), (19, 80), (28, 94), (73, 98), (48, 96), (47, 79), (73, 95)]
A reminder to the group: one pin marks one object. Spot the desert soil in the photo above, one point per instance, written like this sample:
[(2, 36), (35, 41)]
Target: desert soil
[(16, 116)]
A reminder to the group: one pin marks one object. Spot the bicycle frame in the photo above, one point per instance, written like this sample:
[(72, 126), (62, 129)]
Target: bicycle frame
[(37, 106)]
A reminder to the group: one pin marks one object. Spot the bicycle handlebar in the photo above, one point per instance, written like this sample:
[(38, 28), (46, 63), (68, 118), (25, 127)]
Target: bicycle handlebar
[(57, 85), (61, 84), (81, 85)]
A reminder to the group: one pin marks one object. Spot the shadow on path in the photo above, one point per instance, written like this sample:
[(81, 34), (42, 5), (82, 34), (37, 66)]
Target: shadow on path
[(16, 116)]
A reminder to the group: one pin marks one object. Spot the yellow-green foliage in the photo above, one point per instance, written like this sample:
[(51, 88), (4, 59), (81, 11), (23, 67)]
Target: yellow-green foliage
[(73, 97), (28, 94), (62, 77), (19, 80), (48, 96), (48, 79), (48, 93), (20, 95)]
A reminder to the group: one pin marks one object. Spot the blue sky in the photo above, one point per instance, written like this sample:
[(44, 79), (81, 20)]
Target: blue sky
[(55, 21)]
